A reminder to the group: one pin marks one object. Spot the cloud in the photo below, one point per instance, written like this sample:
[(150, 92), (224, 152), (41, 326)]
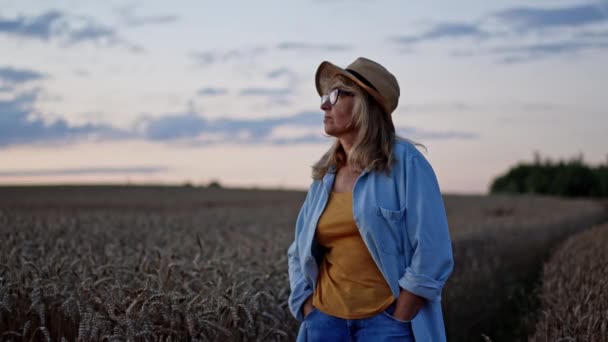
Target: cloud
[(521, 34), (81, 72), (301, 128), (277, 96), (194, 129), (439, 107), (444, 30), (19, 125), (129, 16), (85, 171), (210, 91), (529, 52), (515, 53), (92, 32), (40, 27), (254, 91), (207, 58), (540, 106), (97, 35), (590, 34), (528, 18), (303, 139), (12, 76), (276, 73), (59, 26), (418, 134), (170, 127), (301, 46)]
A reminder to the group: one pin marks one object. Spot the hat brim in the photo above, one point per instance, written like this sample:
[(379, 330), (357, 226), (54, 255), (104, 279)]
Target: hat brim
[(328, 70)]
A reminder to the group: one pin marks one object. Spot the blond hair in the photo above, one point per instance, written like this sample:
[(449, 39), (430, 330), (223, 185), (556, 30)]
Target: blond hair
[(373, 145)]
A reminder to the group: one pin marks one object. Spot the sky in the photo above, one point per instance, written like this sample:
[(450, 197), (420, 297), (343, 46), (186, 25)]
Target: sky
[(135, 92)]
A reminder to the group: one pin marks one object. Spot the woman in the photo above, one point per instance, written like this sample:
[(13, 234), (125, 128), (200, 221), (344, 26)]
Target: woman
[(372, 249)]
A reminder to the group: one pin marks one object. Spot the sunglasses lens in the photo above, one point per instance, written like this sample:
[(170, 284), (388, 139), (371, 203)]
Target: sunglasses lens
[(333, 97)]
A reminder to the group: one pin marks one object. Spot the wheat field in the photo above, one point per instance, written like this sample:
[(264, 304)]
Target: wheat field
[(574, 297), (201, 264)]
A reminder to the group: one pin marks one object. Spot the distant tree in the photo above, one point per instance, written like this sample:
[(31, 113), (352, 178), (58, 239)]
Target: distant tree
[(537, 160), (563, 178), (601, 173), (214, 185)]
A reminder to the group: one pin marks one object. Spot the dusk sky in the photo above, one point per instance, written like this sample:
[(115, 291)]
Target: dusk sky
[(200, 91)]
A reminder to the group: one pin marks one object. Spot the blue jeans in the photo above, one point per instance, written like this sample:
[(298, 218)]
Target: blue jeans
[(319, 326)]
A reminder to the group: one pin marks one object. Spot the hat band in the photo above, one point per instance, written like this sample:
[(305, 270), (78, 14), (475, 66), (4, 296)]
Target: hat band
[(362, 79)]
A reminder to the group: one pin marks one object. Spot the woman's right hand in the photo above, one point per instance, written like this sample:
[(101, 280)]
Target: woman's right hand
[(307, 307)]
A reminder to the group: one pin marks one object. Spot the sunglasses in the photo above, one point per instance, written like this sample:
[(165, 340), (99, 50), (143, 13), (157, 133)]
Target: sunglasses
[(333, 96)]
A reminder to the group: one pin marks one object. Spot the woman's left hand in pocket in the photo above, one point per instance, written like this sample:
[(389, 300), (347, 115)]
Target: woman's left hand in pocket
[(407, 306)]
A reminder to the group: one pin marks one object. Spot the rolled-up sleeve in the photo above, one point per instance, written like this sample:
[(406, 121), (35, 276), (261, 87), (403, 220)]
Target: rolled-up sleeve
[(427, 228), (300, 289)]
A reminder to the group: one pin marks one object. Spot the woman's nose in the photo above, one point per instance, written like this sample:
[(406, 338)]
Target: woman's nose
[(325, 105)]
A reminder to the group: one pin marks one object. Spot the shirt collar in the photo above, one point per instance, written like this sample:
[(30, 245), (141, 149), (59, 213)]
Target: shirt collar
[(330, 176), (328, 179)]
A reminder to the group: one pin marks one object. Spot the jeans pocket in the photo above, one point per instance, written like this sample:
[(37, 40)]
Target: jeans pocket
[(388, 312), (311, 313), (395, 319)]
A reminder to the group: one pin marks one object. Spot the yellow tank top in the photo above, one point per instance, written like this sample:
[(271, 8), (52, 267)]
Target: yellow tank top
[(349, 284)]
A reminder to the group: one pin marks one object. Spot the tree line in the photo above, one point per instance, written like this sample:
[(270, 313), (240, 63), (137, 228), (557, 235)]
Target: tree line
[(569, 178)]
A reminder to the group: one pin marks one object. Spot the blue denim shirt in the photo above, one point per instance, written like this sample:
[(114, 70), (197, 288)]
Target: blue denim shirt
[(403, 223)]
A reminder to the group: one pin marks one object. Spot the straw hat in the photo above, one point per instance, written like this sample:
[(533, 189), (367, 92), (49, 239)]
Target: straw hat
[(369, 75)]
